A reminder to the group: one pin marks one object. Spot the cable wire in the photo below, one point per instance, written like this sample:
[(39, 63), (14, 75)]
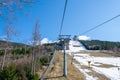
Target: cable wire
[(100, 24), (63, 17)]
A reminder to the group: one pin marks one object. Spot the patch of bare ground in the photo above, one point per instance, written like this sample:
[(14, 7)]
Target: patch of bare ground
[(99, 76), (115, 54), (106, 53), (96, 54), (56, 71), (103, 65)]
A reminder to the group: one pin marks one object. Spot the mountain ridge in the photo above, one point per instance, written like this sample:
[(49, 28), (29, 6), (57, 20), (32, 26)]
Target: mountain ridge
[(12, 44)]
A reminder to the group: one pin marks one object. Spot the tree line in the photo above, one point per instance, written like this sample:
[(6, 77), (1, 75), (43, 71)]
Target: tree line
[(101, 45)]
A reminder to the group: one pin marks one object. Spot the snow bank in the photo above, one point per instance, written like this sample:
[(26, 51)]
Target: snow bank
[(112, 73), (108, 60)]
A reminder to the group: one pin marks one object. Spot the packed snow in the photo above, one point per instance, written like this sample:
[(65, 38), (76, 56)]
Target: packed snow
[(76, 46), (112, 71)]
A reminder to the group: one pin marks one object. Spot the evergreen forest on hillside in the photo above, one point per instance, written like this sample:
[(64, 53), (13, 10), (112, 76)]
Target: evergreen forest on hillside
[(101, 45)]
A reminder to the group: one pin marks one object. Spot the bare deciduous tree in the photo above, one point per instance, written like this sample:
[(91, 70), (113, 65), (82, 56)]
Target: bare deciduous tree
[(8, 8), (9, 33), (36, 42)]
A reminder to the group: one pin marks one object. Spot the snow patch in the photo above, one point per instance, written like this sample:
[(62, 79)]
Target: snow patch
[(88, 77), (75, 46), (112, 73), (86, 70)]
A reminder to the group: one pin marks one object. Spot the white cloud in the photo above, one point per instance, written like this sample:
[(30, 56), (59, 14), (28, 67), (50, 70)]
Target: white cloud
[(3, 37), (45, 41), (83, 38)]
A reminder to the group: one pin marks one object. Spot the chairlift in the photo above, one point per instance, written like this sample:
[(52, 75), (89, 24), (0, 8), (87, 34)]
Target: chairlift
[(59, 47)]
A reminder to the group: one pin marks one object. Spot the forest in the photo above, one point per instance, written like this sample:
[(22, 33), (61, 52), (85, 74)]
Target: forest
[(18, 63), (101, 45)]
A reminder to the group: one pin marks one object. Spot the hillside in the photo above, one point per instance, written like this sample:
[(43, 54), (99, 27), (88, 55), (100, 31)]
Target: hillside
[(96, 64), (56, 70), (101, 45), (12, 44)]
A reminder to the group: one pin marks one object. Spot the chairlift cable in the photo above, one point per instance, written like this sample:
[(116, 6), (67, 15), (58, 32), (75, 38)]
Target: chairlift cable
[(63, 17), (100, 24)]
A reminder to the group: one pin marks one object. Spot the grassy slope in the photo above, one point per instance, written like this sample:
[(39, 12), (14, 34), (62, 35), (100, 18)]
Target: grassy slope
[(56, 71)]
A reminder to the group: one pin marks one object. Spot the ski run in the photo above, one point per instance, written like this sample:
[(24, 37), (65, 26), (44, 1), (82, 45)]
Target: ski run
[(100, 65)]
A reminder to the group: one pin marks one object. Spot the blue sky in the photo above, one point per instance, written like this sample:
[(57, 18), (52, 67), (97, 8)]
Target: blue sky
[(81, 15)]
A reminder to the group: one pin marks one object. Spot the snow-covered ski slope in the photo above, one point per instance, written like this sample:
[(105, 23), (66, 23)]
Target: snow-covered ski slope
[(76, 46), (108, 66)]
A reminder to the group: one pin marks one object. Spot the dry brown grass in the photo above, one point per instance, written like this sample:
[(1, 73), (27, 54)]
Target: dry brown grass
[(96, 54), (56, 72), (99, 54), (99, 76), (103, 65), (15, 59)]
